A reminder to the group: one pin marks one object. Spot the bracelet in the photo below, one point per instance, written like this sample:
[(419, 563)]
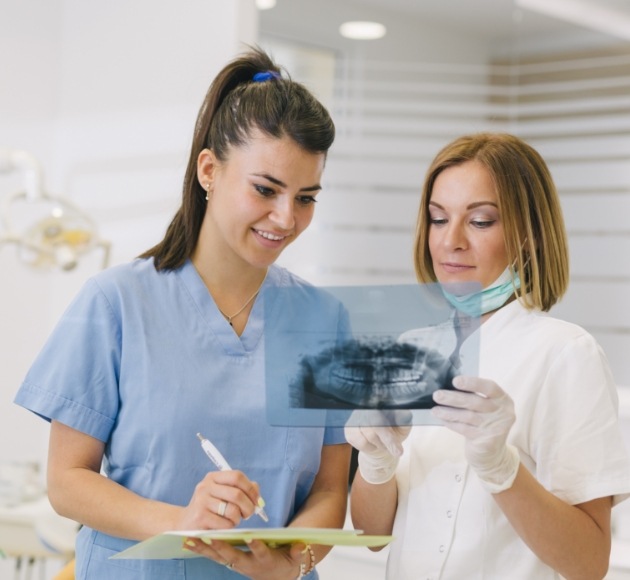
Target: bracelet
[(304, 569)]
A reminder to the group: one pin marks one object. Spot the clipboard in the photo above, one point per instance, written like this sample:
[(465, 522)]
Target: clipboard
[(169, 545)]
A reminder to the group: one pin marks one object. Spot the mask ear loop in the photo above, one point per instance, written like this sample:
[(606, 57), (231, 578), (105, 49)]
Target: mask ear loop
[(525, 263)]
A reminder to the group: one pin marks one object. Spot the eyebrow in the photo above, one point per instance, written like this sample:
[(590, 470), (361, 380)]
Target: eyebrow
[(474, 205), (279, 183)]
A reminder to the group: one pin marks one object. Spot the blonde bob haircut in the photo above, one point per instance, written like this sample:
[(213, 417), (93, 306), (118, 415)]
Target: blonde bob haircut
[(529, 206)]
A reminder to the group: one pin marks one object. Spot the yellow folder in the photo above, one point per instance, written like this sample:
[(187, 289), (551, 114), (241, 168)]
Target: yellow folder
[(169, 545)]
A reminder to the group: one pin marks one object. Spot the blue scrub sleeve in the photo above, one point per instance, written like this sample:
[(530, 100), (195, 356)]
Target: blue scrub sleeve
[(74, 379), (334, 436)]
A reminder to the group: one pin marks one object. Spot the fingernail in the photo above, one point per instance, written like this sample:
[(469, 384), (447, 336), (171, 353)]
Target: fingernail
[(248, 541), (190, 543), (207, 541), (261, 502)]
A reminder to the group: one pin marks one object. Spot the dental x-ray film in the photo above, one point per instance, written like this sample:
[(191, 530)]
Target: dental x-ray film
[(394, 347)]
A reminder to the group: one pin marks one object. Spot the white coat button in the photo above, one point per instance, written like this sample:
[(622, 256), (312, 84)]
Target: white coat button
[(449, 514), (442, 548), (458, 478)]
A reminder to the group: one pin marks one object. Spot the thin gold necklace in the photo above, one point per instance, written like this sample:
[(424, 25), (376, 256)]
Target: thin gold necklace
[(230, 318)]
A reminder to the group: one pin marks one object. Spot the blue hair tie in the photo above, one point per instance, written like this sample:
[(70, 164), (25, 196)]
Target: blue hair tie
[(261, 77)]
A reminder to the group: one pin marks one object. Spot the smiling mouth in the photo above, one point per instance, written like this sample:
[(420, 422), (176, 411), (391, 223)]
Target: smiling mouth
[(270, 236)]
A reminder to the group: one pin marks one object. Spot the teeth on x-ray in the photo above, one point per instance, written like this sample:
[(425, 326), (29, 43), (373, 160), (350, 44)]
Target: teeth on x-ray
[(371, 374)]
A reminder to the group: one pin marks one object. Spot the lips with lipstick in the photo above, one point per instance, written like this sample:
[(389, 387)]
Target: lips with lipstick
[(372, 374)]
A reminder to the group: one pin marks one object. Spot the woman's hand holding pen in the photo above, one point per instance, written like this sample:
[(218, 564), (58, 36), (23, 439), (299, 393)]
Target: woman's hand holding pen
[(220, 500), (484, 414), (260, 562)]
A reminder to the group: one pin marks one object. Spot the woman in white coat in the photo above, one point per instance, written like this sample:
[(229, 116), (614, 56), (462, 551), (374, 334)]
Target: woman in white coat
[(519, 480)]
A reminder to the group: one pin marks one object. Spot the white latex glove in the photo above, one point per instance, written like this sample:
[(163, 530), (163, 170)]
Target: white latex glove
[(484, 414), (379, 446)]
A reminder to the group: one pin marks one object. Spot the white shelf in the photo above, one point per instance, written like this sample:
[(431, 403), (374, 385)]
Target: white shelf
[(20, 528)]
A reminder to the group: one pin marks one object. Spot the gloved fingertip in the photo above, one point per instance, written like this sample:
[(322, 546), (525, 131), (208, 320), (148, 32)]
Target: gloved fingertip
[(395, 450)]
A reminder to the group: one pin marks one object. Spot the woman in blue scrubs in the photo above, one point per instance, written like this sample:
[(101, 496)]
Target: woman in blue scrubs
[(153, 352)]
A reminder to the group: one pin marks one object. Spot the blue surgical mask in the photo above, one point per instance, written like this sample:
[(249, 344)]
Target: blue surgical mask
[(489, 298)]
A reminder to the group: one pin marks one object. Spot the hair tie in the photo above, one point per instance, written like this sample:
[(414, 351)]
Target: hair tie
[(261, 77)]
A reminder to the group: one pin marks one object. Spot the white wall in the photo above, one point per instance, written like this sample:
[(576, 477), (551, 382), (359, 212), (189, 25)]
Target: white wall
[(400, 98), (105, 95)]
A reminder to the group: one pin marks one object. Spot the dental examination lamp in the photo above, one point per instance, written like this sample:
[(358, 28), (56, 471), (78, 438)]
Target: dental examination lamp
[(48, 231)]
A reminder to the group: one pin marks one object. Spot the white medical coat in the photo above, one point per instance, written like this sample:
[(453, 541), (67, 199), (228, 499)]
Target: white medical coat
[(567, 433)]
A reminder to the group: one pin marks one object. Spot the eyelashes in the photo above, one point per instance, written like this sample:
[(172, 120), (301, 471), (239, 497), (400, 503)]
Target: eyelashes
[(268, 192), (477, 223), (264, 190), (306, 200), (483, 224)]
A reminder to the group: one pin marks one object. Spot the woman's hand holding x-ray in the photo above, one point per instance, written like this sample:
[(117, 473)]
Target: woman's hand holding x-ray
[(379, 446), (484, 414)]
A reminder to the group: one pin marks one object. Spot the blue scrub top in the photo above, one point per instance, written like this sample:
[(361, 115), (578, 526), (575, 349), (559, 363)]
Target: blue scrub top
[(143, 360)]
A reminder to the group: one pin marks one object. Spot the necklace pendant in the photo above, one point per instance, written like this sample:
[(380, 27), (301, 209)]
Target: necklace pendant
[(229, 318)]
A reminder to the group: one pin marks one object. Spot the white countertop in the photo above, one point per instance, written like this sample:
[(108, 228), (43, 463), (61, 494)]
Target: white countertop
[(33, 529)]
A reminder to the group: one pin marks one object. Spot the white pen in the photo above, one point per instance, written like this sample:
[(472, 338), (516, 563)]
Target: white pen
[(215, 456)]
